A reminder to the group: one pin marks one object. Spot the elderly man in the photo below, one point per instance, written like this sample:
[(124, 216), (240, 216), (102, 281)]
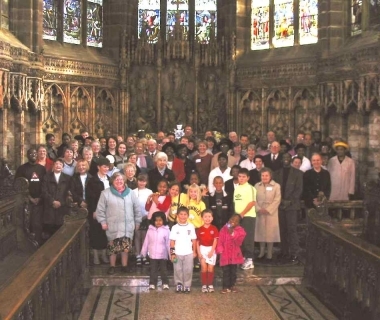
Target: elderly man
[(342, 172), (233, 136), (273, 160), (151, 148), (244, 141)]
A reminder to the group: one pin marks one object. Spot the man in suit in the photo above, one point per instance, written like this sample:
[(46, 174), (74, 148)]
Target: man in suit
[(273, 159), (152, 148), (291, 181)]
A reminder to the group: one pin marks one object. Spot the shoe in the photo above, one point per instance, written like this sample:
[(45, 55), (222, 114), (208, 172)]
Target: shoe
[(225, 291), (211, 289), (234, 289), (186, 290), (152, 287), (145, 261), (138, 261), (165, 287), (111, 270), (260, 258), (179, 288), (124, 269), (204, 289), (247, 265)]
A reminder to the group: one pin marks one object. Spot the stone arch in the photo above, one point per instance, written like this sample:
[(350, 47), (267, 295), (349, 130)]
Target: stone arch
[(250, 115), (54, 102), (306, 113), (80, 110), (277, 114), (104, 118)]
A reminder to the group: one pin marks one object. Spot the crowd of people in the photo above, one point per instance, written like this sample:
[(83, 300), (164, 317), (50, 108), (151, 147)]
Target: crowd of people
[(194, 202)]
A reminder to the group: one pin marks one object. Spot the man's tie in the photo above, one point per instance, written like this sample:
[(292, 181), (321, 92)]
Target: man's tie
[(152, 155), (273, 157)]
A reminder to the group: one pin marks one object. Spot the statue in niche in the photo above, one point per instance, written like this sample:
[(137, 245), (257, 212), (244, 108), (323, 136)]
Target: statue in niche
[(143, 87), (202, 118), (171, 119), (177, 76)]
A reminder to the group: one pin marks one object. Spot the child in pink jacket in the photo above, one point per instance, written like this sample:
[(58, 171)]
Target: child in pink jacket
[(158, 245), (231, 237)]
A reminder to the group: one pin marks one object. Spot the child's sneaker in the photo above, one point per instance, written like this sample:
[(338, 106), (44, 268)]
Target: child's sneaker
[(145, 261), (225, 291), (234, 289), (248, 264), (165, 287), (211, 288), (204, 289), (138, 261), (187, 290), (179, 288), (152, 287)]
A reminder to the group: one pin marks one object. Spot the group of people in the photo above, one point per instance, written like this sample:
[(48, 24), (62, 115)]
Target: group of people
[(186, 201)]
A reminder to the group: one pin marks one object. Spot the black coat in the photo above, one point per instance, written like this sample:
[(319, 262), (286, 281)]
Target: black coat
[(273, 165), (227, 210), (293, 188), (94, 188), (53, 191), (229, 188), (254, 177), (76, 187), (155, 176), (313, 183)]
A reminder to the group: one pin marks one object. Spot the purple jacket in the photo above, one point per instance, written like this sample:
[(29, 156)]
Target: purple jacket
[(157, 243), (229, 246)]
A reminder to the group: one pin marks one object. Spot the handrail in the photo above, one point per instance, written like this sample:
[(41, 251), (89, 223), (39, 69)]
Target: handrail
[(63, 254)]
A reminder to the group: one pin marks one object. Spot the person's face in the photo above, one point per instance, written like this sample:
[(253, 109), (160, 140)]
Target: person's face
[(182, 153), (165, 141), (41, 153), (151, 146), (264, 142), (184, 141), (112, 144), (301, 152), (265, 177), (160, 136), (325, 149), (169, 151), (316, 161), (300, 138), (207, 218), (271, 136), (297, 163), (218, 184), (208, 134), (133, 159), (190, 145), (202, 148), (158, 222), (283, 148), (32, 155), (317, 137), (129, 172), (69, 155), (103, 169), (85, 135), (233, 137), (174, 191), (325, 160), (259, 163), (340, 151), (224, 148), (95, 147), (171, 138), (161, 163), (58, 166), (87, 155), (188, 131), (275, 147), (251, 153), (182, 217), (237, 149), (194, 179), (234, 221), (66, 140), (141, 184), (88, 142), (244, 140), (51, 142), (139, 149), (122, 149), (307, 140), (193, 194), (118, 183), (222, 162), (210, 144), (119, 139), (130, 142), (286, 160), (162, 188), (81, 167), (75, 146), (242, 178), (235, 173)]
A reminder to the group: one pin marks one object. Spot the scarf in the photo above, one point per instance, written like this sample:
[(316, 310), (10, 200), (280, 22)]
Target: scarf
[(142, 161), (118, 194), (179, 169)]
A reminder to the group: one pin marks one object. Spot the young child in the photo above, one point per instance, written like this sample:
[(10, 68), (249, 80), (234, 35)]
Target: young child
[(157, 244), (183, 250), (178, 200), (195, 205), (220, 204), (230, 239), (142, 193), (159, 201), (207, 238)]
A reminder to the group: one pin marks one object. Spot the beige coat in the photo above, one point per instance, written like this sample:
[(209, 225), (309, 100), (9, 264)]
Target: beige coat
[(342, 178), (268, 197)]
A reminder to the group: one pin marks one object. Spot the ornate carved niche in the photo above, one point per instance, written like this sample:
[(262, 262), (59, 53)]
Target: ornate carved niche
[(4, 89), (34, 93), (18, 92), (371, 91), (278, 119), (105, 120), (251, 115), (80, 106), (374, 140), (330, 95), (52, 112), (350, 95), (333, 120), (306, 111)]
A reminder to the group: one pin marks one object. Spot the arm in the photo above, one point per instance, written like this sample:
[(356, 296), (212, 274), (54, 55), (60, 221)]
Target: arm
[(219, 245), (165, 205), (101, 210), (250, 205), (172, 246), (239, 235), (148, 203), (273, 206), (144, 249), (351, 189), (212, 251), (45, 191), (136, 210), (194, 242)]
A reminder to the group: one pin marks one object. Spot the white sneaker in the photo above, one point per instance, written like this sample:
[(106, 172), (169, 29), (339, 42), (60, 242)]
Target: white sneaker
[(248, 264), (165, 287), (211, 288), (204, 289), (152, 287)]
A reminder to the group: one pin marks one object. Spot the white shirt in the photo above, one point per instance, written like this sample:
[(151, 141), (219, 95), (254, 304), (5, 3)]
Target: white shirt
[(305, 165), (83, 178), (217, 172), (105, 181), (142, 196), (248, 164), (183, 234), (57, 175)]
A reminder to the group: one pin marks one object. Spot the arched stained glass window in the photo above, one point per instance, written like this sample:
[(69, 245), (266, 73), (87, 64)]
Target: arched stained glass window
[(308, 29), (205, 20), (149, 19), (356, 17), (283, 23), (50, 19), (177, 16), (95, 23), (260, 25), (72, 21)]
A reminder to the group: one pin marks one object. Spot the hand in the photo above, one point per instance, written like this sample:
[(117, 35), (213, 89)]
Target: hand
[(200, 257), (230, 230), (137, 227), (56, 204), (94, 215), (105, 226), (172, 257), (194, 254), (155, 198), (210, 254), (205, 192), (83, 204)]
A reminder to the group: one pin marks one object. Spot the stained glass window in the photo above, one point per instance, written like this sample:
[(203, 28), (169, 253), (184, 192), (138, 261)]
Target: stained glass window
[(356, 16), (205, 20), (95, 23), (260, 25), (283, 23), (177, 17), (149, 19), (72, 21), (5, 14), (374, 12), (308, 21), (50, 19)]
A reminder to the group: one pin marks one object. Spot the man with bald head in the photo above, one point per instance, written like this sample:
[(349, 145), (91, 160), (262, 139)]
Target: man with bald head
[(271, 138), (233, 136), (273, 160)]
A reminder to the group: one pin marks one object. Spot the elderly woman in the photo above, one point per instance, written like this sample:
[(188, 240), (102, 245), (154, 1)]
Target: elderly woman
[(96, 156), (79, 183), (130, 175), (160, 171), (43, 159), (268, 199), (132, 158), (118, 212), (203, 162), (87, 155), (144, 162)]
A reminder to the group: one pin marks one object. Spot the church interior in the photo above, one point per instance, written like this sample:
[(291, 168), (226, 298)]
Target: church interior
[(114, 67)]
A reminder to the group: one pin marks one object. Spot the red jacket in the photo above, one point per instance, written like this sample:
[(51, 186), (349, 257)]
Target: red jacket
[(229, 246)]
